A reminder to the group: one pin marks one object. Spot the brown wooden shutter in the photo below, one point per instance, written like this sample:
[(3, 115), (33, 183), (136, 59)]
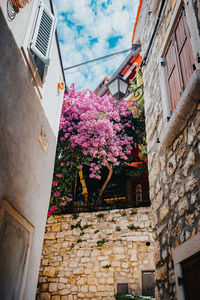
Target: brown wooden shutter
[(173, 75), (184, 48), (179, 61)]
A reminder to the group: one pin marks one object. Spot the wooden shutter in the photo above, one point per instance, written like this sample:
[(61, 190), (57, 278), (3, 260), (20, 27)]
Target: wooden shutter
[(43, 33), (179, 61), (173, 75), (184, 48)]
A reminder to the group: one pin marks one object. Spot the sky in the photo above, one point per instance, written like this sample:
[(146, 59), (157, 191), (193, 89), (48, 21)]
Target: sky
[(91, 29)]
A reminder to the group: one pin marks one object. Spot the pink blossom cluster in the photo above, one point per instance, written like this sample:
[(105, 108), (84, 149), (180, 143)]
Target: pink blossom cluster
[(52, 209), (93, 125)]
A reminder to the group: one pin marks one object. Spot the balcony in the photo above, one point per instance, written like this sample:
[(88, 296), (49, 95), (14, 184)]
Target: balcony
[(114, 199)]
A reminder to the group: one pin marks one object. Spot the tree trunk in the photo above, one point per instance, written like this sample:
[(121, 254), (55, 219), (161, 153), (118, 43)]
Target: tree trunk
[(83, 184), (105, 183), (75, 185)]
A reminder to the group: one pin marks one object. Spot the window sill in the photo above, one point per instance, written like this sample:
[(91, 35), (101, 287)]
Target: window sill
[(183, 111), (31, 65)]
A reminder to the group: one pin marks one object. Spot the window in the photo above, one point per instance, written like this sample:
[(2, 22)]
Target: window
[(186, 259), (191, 275), (148, 283), (41, 40), (179, 72), (179, 61), (15, 233), (138, 193), (122, 288)]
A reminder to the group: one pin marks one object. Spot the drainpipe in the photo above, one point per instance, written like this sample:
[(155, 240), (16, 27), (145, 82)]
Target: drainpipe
[(153, 35)]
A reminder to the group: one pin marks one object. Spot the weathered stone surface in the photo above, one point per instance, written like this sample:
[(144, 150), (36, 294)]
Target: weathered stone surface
[(190, 161), (191, 134), (45, 296), (55, 297), (93, 288), (53, 287), (55, 227), (183, 206), (71, 270), (50, 236), (164, 211), (61, 286), (181, 152), (49, 271), (176, 215), (158, 200), (190, 183), (171, 165), (84, 289), (174, 197), (44, 287)]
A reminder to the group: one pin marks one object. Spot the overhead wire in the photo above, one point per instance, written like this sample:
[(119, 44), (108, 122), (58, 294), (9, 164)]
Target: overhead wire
[(90, 66), (98, 58)]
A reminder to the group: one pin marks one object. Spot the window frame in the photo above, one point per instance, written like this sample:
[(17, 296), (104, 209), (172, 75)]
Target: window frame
[(180, 254), (38, 83), (174, 123), (7, 207)]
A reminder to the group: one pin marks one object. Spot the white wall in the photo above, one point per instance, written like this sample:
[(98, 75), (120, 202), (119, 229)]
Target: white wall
[(26, 170)]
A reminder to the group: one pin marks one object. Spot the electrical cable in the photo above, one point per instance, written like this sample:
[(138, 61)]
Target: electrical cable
[(99, 58), (105, 60)]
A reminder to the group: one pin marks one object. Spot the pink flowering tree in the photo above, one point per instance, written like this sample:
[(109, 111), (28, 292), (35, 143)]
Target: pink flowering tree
[(94, 131)]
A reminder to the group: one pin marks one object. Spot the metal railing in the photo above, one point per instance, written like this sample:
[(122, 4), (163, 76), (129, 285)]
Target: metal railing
[(114, 199)]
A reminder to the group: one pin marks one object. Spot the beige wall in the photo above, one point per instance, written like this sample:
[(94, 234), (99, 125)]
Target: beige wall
[(75, 266)]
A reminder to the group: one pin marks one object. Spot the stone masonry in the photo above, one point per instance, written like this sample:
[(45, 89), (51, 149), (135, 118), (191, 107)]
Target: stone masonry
[(85, 256), (173, 172)]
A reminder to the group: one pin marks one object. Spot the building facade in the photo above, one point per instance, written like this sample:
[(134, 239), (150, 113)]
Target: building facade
[(169, 34), (31, 88), (97, 249)]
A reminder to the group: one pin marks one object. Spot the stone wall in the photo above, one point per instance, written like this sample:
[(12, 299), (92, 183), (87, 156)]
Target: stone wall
[(173, 172), (85, 256)]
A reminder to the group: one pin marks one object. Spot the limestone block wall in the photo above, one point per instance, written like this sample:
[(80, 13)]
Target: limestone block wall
[(85, 256), (174, 172)]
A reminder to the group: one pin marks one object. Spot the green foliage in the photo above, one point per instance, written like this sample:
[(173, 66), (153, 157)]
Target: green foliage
[(106, 266), (100, 216), (79, 241), (133, 227), (101, 243), (82, 233), (96, 231), (77, 225), (75, 216), (123, 213), (133, 212), (86, 226), (113, 220), (118, 228)]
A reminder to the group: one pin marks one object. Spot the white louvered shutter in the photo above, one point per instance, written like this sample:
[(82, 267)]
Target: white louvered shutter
[(43, 33)]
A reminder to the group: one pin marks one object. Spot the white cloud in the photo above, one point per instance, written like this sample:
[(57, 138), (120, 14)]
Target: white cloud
[(81, 21)]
